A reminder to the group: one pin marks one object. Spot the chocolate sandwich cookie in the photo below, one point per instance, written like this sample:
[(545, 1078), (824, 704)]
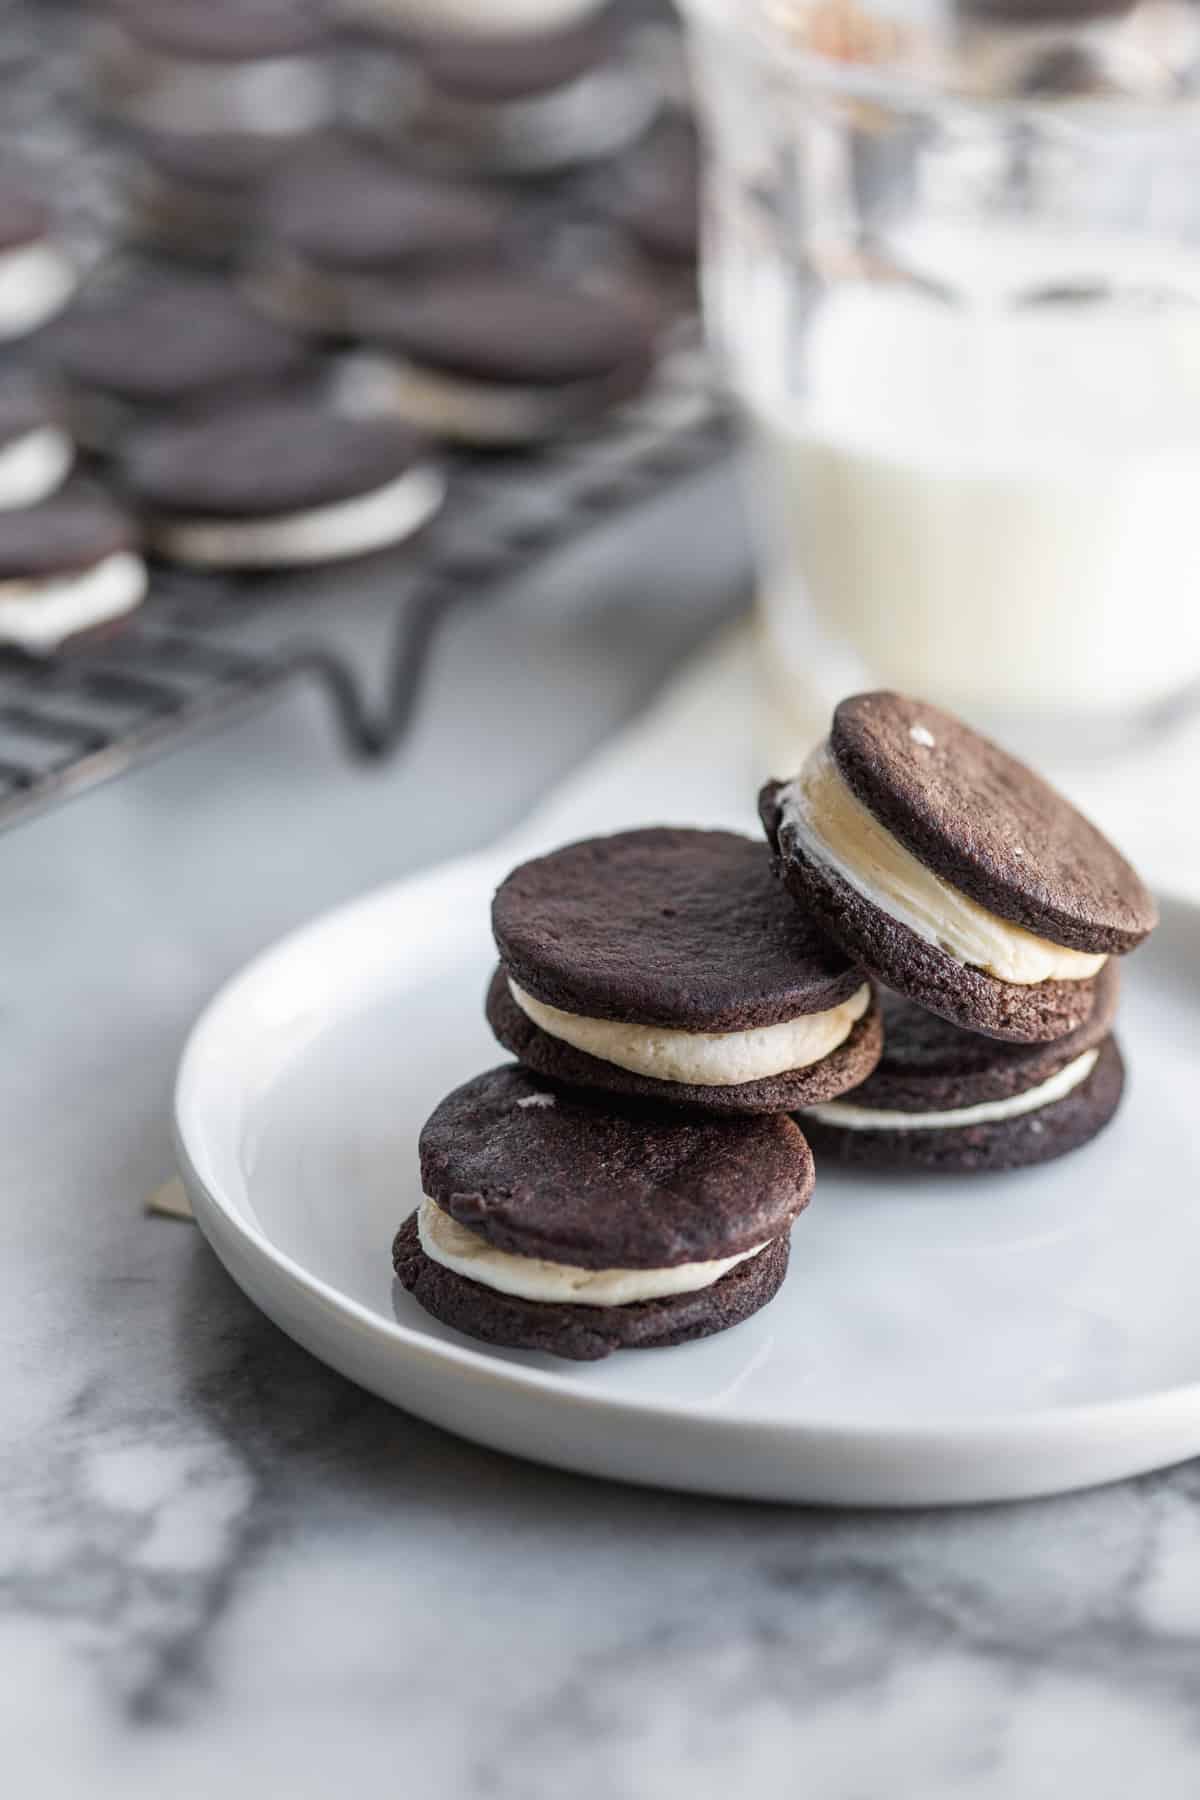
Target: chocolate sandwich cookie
[(519, 101), (952, 872), (223, 65), (340, 213), (508, 357), (668, 964), (69, 569), (196, 195), (159, 346), (279, 484), (947, 1099), (659, 200), (36, 276), (36, 451), (557, 1222)]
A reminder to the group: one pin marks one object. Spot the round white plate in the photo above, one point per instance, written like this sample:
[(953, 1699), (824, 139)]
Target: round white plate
[(936, 1340)]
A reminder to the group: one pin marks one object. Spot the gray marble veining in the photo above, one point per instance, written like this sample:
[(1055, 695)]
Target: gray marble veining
[(223, 1570)]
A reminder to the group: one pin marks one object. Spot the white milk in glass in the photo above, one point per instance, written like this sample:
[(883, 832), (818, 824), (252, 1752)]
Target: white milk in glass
[(986, 487)]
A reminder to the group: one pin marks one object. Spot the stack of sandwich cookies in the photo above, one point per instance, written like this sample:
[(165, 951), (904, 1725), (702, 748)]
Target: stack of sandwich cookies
[(506, 357), (668, 965), (561, 1223), (69, 569), (954, 1101), (339, 215), (952, 872), (280, 484)]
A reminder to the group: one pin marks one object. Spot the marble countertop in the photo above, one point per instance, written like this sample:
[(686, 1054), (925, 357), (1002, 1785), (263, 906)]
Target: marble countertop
[(223, 1569)]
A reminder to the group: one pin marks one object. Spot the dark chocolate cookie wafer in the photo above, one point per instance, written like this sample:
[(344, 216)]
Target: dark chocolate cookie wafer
[(1063, 1113), (952, 872), (511, 327), (221, 30), (341, 206), (491, 67), (161, 345), (575, 1225), (667, 963)]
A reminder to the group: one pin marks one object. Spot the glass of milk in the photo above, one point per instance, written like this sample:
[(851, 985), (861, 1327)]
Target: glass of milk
[(953, 272)]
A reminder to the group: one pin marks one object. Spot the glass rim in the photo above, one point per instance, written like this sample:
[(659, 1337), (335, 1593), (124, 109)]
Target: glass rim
[(907, 87)]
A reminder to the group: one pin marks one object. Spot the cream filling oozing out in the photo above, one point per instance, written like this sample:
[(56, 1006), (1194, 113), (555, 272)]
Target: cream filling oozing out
[(321, 534), (33, 466), (835, 829), (849, 1117), (36, 281), (704, 1059), (40, 615), (477, 412), (458, 1248)]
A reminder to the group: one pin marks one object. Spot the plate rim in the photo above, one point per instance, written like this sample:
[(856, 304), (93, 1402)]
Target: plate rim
[(981, 1431)]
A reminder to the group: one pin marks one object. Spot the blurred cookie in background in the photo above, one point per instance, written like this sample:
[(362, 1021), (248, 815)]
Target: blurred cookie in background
[(658, 197), (196, 195), (518, 100), (36, 451), (157, 344), (70, 569), (505, 358), (37, 277), (280, 484), (213, 66), (338, 212)]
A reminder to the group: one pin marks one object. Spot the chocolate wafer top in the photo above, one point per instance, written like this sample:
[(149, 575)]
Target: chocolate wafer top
[(345, 205), (684, 929), (989, 825), (62, 536), (506, 326), (538, 1171), (170, 339)]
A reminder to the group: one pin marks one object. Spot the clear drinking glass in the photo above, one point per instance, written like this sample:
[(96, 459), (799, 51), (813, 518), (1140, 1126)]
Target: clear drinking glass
[(953, 270)]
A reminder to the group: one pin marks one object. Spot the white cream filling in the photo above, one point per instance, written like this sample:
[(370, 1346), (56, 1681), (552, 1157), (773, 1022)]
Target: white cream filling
[(33, 466), (321, 534), (835, 829), (40, 615), (456, 1247), (36, 281), (477, 412), (864, 1118), (702, 1058)]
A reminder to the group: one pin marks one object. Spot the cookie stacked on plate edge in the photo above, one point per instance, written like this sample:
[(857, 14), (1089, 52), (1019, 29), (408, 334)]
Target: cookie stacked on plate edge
[(929, 985)]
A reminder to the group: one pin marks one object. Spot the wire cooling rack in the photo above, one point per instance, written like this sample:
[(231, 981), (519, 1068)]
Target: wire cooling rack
[(178, 668)]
